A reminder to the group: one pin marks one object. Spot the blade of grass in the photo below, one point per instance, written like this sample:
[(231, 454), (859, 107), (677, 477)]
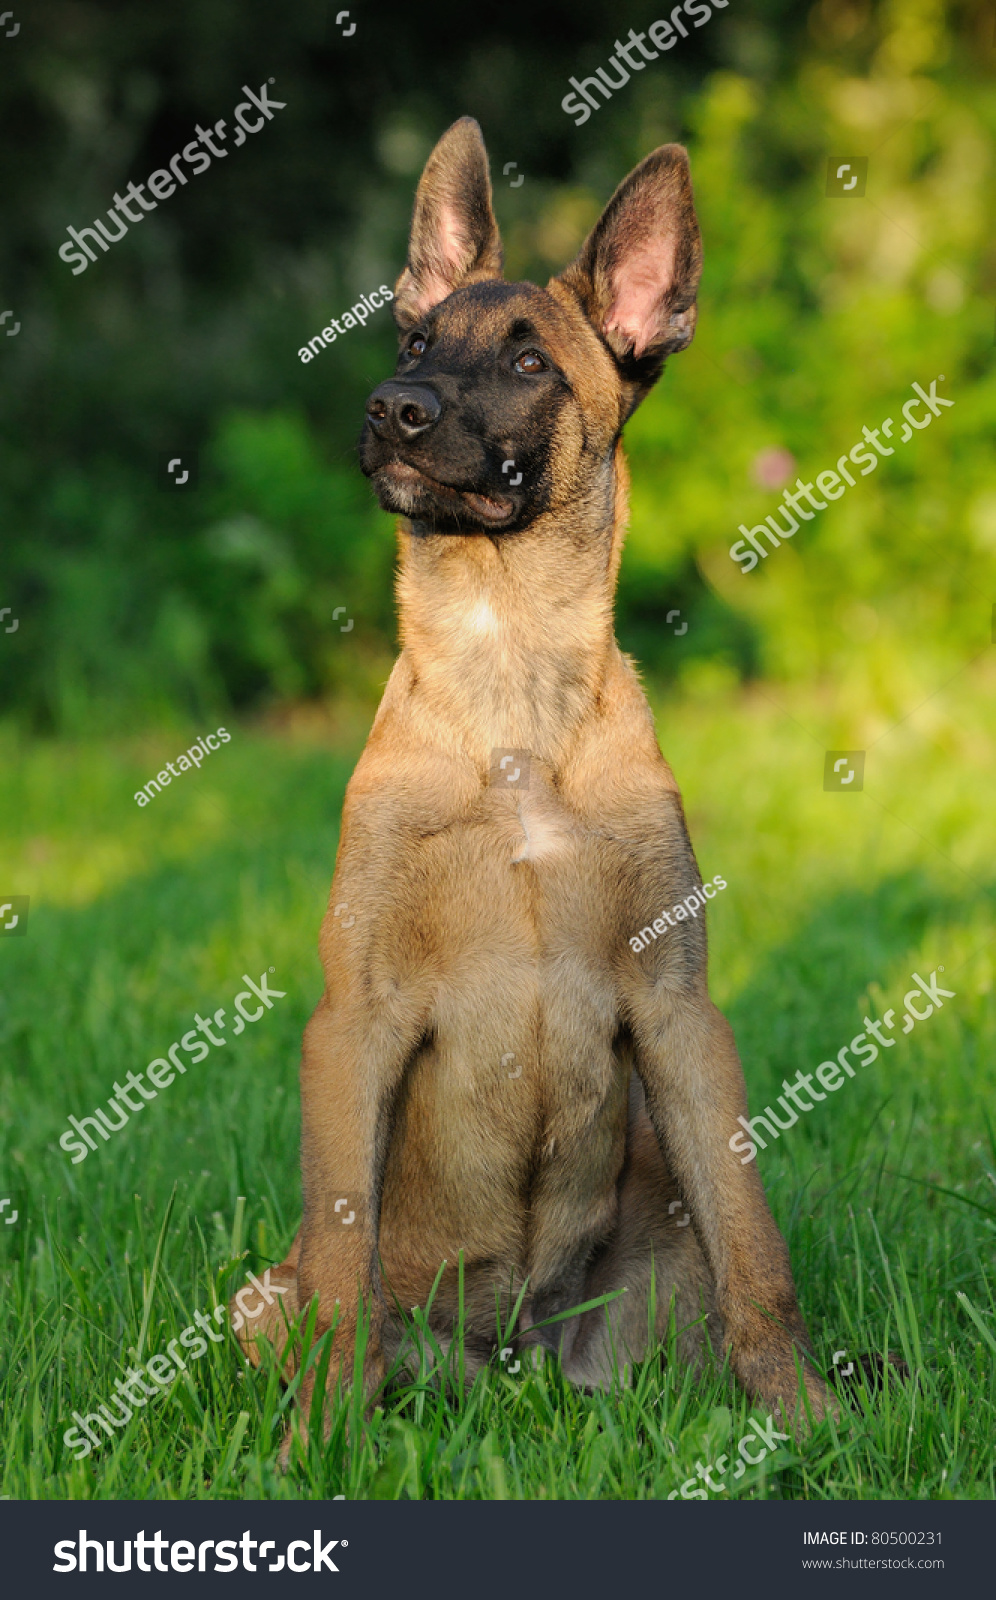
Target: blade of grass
[(153, 1276), (976, 1318)]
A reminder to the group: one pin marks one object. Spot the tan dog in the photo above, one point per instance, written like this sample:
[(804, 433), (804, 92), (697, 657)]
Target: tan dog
[(492, 1069)]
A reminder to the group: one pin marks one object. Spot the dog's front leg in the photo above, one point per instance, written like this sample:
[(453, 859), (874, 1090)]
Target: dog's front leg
[(355, 1053), (694, 1086)]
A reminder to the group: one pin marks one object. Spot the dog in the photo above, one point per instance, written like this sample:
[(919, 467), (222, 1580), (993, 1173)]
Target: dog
[(495, 1087)]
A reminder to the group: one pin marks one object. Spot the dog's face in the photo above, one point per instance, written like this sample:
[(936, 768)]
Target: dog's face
[(461, 438), (508, 398)]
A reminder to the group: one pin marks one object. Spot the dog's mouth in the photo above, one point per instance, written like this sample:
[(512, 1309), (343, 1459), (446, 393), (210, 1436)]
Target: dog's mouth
[(406, 486)]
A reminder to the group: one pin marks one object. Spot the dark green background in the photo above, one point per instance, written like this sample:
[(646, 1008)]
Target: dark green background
[(138, 607)]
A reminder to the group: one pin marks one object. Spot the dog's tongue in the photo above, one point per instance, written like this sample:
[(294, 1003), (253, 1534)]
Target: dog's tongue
[(490, 510)]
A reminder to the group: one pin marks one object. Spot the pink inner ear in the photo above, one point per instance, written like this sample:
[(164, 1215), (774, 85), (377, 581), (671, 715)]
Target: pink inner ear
[(449, 261), (454, 247), (433, 288), (640, 282)]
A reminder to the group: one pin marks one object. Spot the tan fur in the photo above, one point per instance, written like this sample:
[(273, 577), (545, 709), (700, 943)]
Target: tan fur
[(491, 938)]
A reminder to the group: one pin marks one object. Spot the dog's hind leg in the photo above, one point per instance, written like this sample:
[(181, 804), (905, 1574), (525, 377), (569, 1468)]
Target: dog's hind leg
[(688, 1064)]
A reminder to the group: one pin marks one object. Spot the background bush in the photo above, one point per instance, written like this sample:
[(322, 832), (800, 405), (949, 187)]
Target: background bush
[(138, 607)]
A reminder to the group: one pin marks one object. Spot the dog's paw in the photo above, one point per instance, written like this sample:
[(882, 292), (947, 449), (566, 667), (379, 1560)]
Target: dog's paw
[(798, 1400), (296, 1429), (803, 1413), (340, 1378), (269, 1318)]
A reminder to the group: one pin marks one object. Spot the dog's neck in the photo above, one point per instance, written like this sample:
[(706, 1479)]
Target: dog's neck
[(507, 640)]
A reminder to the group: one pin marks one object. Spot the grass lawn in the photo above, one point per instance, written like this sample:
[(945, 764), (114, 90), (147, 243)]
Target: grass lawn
[(140, 918)]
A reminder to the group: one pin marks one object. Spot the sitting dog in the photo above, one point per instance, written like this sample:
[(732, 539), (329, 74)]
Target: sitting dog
[(494, 1078)]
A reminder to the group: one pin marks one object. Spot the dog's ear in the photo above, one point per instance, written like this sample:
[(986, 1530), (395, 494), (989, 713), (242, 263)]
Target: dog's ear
[(454, 238), (637, 273)]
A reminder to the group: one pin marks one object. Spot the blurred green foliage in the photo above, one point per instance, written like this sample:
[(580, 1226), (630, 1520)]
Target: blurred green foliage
[(137, 606)]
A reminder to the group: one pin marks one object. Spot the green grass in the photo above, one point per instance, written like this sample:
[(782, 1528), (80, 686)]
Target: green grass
[(885, 1193)]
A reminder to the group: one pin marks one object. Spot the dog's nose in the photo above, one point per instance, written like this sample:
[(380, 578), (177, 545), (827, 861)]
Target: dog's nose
[(402, 410)]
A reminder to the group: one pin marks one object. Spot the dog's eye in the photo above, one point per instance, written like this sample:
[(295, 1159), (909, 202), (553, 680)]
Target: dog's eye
[(529, 362), (417, 346)]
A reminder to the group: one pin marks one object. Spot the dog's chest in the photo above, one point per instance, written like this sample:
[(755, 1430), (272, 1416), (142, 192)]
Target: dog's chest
[(542, 833), (520, 915), (511, 919), (520, 879)]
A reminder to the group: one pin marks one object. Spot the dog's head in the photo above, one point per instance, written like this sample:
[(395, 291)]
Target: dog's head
[(508, 398)]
